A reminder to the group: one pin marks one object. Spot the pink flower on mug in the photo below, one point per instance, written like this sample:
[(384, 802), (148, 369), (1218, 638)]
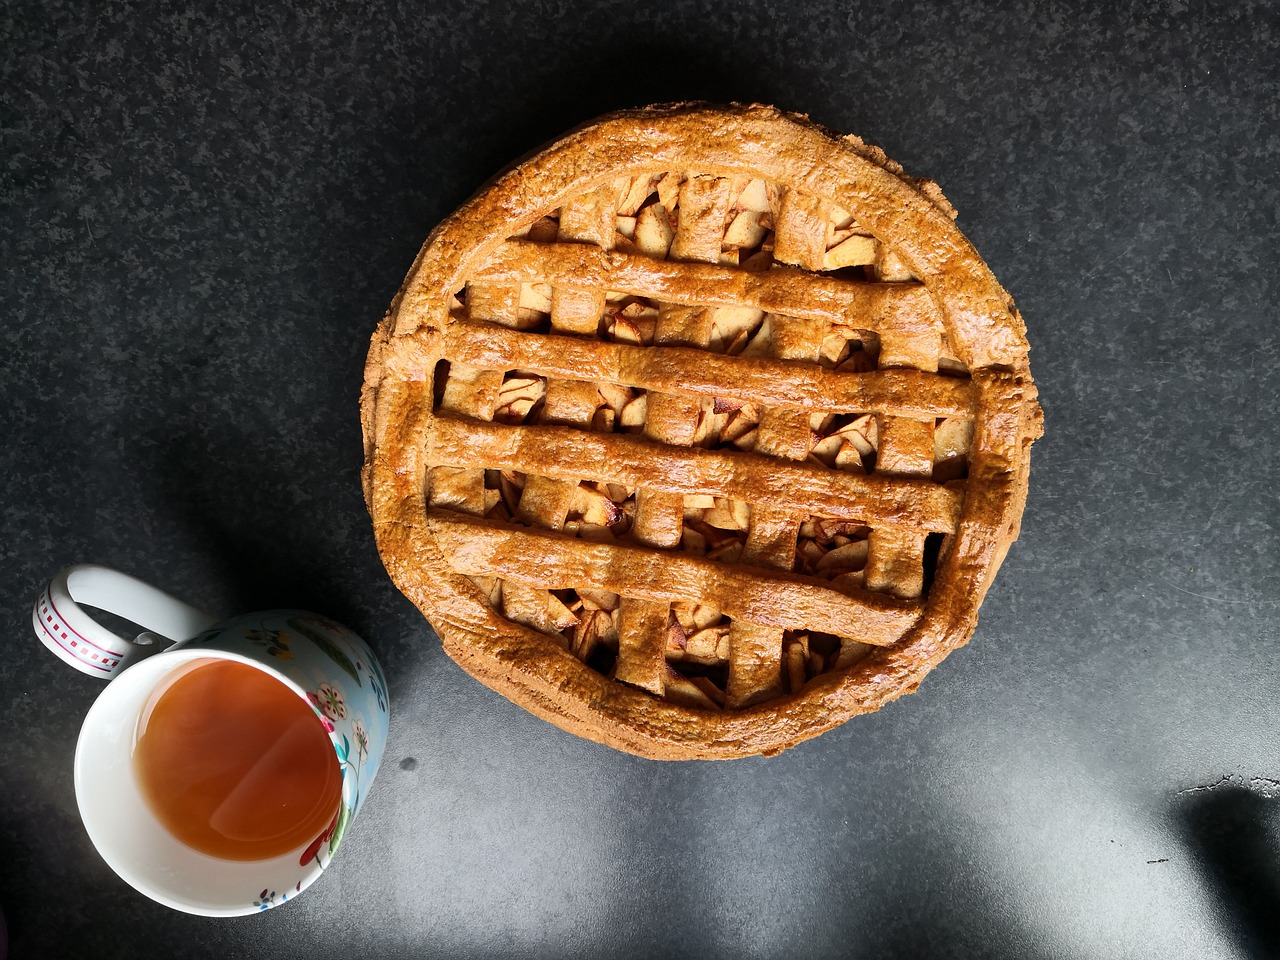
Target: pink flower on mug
[(331, 702), (362, 739), (319, 709)]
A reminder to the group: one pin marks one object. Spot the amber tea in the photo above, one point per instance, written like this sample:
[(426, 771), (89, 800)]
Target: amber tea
[(234, 764)]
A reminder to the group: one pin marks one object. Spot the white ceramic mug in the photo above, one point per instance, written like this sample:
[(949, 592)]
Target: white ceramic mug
[(321, 661)]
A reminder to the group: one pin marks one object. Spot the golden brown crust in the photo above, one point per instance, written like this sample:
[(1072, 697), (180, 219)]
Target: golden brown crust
[(440, 559)]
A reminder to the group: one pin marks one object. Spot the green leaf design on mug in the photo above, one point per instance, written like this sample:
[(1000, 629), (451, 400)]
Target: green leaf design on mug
[(327, 647), (344, 817)]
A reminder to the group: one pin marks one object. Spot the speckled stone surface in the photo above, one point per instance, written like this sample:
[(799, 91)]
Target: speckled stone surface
[(202, 218)]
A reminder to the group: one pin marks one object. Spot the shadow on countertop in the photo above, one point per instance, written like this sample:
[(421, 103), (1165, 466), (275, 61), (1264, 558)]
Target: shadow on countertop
[(1234, 832)]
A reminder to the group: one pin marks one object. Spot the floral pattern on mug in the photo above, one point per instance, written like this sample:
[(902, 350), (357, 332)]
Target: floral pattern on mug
[(316, 706), (267, 898), (331, 703), (332, 836), (275, 642), (306, 627), (377, 691), (313, 850), (362, 738)]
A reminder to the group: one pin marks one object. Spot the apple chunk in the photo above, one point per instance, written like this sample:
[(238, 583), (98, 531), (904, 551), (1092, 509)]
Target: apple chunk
[(654, 232)]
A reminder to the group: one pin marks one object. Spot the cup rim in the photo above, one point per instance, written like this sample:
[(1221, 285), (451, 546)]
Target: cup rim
[(171, 659)]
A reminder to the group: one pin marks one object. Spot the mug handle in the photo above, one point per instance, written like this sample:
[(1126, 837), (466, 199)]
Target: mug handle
[(70, 632)]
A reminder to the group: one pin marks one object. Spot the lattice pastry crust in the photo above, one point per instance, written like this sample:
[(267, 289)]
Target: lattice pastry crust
[(699, 432)]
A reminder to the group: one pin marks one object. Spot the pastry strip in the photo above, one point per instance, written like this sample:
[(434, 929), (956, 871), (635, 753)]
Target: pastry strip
[(775, 598), (799, 487), (786, 290), (674, 369)]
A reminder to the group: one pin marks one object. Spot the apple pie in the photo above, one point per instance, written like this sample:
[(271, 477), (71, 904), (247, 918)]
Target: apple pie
[(699, 432)]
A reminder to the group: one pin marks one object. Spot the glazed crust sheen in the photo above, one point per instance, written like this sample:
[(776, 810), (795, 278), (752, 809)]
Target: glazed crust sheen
[(426, 552)]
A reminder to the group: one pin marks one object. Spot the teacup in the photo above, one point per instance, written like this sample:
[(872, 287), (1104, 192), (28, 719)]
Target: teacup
[(322, 663)]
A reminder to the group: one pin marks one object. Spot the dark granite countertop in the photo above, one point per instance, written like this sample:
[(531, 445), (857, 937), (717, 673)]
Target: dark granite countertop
[(205, 211)]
